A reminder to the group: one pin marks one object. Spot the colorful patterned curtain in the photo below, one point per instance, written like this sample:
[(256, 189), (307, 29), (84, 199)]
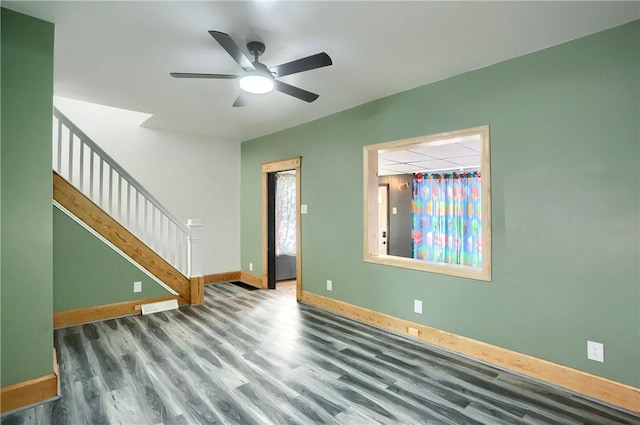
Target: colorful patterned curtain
[(447, 220), (285, 214)]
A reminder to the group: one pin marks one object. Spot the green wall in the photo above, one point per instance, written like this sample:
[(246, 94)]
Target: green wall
[(26, 233), (565, 154), (87, 272)]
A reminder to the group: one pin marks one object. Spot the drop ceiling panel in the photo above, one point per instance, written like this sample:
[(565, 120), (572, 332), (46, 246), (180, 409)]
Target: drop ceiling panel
[(402, 168), (385, 172), (403, 156), (436, 164), (383, 162), (455, 155), (474, 145), (443, 151), (466, 161)]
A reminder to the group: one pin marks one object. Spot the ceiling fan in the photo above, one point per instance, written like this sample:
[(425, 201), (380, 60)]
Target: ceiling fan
[(256, 78)]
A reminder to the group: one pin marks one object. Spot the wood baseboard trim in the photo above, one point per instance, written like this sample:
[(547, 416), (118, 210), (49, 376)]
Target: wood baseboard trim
[(608, 391), (29, 392), (221, 277), (107, 311), (251, 279), (56, 370)]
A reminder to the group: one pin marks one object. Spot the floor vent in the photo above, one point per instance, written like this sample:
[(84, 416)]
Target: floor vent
[(244, 285), (159, 306)]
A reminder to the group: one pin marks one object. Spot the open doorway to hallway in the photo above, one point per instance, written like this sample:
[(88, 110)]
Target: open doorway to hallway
[(285, 230), (287, 287), (281, 226)]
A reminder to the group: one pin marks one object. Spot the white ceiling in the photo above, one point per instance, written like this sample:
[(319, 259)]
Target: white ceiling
[(120, 53)]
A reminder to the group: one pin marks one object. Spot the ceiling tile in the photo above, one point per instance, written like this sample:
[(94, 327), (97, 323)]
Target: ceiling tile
[(436, 164), (466, 161), (402, 169), (474, 145), (385, 172), (402, 156), (443, 151), (382, 162)]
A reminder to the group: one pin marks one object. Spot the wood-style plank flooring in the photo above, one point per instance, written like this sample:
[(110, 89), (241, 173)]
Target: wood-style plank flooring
[(258, 357), (287, 287)]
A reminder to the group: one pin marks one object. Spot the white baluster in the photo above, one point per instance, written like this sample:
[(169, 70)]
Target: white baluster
[(70, 157), (101, 186), (59, 169), (81, 165), (91, 160)]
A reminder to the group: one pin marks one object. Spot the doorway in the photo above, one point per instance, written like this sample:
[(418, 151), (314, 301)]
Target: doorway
[(383, 219), (282, 231), (281, 247)]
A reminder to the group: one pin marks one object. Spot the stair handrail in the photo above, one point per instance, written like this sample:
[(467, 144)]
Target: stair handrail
[(153, 224), (114, 164)]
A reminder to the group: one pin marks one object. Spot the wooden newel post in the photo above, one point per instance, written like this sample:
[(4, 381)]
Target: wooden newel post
[(195, 261)]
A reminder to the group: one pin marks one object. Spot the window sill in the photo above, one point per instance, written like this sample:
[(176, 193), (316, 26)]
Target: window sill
[(467, 272)]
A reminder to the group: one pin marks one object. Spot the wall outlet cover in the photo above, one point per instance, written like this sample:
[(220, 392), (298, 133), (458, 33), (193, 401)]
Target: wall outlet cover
[(595, 351), (137, 286), (329, 285), (250, 267), (303, 209), (417, 306)]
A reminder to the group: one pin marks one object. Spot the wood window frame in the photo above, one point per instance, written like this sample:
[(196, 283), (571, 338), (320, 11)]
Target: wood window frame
[(370, 168)]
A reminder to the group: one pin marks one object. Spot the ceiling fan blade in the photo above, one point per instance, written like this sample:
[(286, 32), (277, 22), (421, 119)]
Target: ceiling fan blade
[(232, 48), (304, 64), (307, 96), (240, 101), (192, 75)]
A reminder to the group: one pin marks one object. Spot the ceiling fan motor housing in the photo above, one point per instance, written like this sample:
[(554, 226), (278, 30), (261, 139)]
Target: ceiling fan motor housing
[(256, 48)]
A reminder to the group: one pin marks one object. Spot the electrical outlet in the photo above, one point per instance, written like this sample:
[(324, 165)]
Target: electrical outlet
[(250, 267), (329, 285), (412, 331), (595, 351), (417, 306), (137, 286)]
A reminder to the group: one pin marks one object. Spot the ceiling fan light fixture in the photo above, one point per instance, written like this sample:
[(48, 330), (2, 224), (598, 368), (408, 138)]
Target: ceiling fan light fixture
[(256, 84), (256, 77)]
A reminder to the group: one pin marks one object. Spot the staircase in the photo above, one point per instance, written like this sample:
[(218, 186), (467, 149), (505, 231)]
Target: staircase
[(92, 186)]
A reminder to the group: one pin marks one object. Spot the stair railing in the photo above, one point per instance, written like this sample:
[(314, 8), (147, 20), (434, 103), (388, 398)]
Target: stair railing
[(91, 170)]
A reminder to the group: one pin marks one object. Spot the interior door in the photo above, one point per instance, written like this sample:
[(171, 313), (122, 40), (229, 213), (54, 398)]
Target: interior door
[(271, 231)]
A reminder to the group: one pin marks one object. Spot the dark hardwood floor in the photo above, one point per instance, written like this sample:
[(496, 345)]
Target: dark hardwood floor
[(258, 357)]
